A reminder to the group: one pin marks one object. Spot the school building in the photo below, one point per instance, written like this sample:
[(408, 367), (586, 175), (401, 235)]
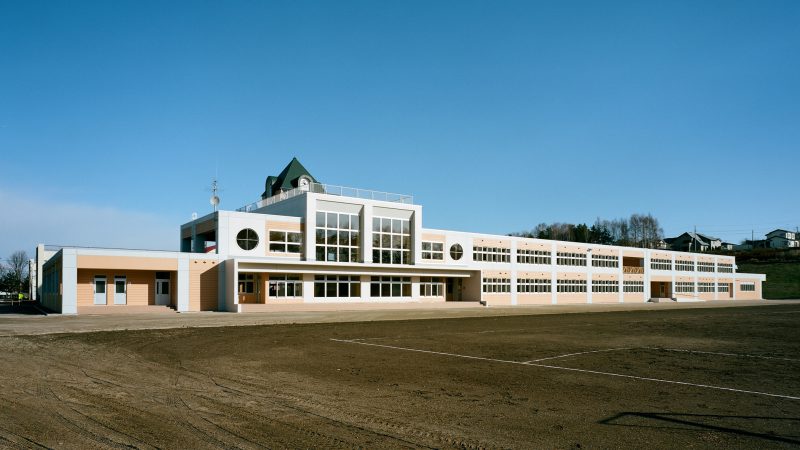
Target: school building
[(308, 245)]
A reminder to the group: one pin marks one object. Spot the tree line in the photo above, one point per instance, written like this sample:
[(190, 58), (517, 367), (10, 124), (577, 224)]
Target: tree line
[(638, 230), (14, 273)]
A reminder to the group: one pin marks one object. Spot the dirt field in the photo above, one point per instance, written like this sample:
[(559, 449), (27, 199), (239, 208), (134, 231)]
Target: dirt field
[(719, 377)]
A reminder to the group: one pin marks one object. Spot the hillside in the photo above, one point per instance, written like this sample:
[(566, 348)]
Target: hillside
[(783, 278)]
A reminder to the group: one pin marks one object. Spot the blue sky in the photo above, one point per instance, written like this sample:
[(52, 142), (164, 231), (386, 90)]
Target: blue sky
[(114, 116)]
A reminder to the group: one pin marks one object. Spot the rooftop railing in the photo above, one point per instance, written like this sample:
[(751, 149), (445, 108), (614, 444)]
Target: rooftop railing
[(329, 189)]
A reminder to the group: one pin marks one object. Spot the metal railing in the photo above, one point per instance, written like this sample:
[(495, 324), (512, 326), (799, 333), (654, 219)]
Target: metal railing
[(330, 189), (632, 270)]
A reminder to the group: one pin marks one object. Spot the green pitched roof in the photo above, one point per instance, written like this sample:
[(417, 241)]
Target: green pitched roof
[(287, 179)]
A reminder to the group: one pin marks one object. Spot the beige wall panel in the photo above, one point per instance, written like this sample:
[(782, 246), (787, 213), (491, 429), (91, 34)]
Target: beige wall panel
[(639, 277), (284, 226), (611, 297), (500, 243), (141, 286), (203, 281), (433, 237), (127, 263), (570, 276), (533, 275), (633, 297), (605, 251), (605, 276), (663, 278), (572, 248), (533, 245), (497, 299), (571, 298), (534, 299), (640, 254), (495, 274)]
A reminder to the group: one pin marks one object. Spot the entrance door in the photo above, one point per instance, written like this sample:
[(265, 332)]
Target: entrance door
[(99, 290), (120, 290), (662, 290), (453, 290), (162, 292)]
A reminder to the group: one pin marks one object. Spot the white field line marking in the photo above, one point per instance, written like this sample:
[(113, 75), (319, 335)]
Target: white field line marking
[(522, 363), (580, 353), (740, 355)]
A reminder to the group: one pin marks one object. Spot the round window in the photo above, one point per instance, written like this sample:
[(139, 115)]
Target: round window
[(247, 239), (456, 252)]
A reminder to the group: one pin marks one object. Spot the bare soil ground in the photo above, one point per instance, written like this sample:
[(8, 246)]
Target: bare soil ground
[(661, 378)]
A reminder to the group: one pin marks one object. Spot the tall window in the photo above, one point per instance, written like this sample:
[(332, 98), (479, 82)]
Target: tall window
[(725, 268), (705, 287), (433, 250), (390, 287), (533, 256), (246, 283), (533, 285), (605, 286), (705, 267), (571, 259), (391, 240), (571, 285), (723, 287), (684, 265), (491, 254), (605, 261), (496, 285), (661, 264), (633, 286), (285, 241), (431, 287), (338, 237), (337, 286), (285, 286)]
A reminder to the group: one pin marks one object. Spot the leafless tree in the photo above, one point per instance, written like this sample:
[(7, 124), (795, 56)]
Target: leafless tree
[(18, 267)]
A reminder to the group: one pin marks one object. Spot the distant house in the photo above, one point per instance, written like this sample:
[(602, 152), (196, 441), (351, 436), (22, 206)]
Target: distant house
[(727, 246), (694, 242), (747, 244), (782, 239)]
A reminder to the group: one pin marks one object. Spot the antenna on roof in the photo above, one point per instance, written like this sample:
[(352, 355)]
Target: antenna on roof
[(214, 200)]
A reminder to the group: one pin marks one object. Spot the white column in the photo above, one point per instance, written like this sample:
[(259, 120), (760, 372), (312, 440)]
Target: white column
[(310, 247), (553, 274), (673, 274), (365, 287), (513, 271), (589, 271), (366, 236), (69, 293), (696, 293), (621, 276), (308, 287), (648, 294), (183, 284), (716, 279)]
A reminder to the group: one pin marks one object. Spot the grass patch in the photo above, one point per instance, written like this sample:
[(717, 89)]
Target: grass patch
[(783, 278)]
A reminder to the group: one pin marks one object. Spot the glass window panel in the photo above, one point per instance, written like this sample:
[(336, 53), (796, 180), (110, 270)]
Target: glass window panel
[(374, 289), (395, 289), (320, 236), (353, 255), (277, 247), (354, 238), (344, 238), (376, 240), (355, 289), (386, 290), (386, 225), (397, 241), (386, 240), (292, 248), (438, 247), (426, 245), (330, 289), (295, 237), (376, 224), (333, 220), (376, 256), (344, 289), (100, 287), (406, 227), (344, 221), (406, 289), (344, 254), (331, 237), (386, 256), (406, 242), (396, 228), (277, 236), (331, 251), (120, 285), (320, 253), (281, 289), (321, 219), (396, 258)]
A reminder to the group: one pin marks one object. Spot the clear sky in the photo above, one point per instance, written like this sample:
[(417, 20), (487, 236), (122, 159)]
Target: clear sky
[(116, 115)]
